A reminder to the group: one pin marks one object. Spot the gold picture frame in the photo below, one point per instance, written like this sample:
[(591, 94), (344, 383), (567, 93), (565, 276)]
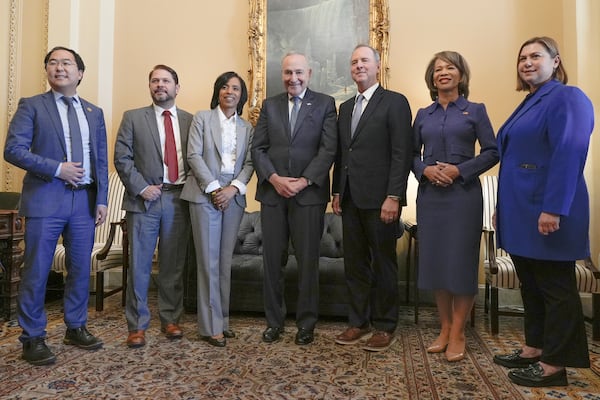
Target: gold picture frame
[(257, 40)]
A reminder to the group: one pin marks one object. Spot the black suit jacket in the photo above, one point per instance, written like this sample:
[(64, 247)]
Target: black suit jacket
[(309, 152), (377, 160)]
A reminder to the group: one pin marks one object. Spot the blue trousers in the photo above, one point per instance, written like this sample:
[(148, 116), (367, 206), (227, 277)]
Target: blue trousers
[(75, 222)]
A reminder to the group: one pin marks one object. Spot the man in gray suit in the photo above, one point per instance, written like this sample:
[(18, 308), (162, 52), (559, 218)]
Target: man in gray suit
[(150, 157), (293, 149)]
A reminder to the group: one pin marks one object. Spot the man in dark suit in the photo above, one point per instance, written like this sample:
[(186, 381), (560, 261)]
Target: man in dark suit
[(150, 157), (369, 186), (60, 140), (293, 149)]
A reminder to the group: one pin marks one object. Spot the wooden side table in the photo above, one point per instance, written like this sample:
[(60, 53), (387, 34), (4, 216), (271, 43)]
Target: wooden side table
[(12, 231)]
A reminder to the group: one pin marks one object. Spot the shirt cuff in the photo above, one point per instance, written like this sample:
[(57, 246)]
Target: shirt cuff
[(241, 187), (214, 185)]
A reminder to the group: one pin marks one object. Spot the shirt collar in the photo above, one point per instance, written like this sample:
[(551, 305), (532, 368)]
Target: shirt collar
[(291, 98), (367, 94), (159, 110), (223, 117), (58, 96)]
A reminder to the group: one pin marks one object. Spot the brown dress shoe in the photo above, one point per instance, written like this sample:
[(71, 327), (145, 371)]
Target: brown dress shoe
[(136, 339), (379, 341), (352, 335), (172, 331)]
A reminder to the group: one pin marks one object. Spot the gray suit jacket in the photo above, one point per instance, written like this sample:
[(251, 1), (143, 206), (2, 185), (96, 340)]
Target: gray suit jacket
[(204, 156), (138, 153)]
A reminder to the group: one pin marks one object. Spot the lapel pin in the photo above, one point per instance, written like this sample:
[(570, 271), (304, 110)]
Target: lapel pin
[(309, 104), (465, 113), (89, 109)]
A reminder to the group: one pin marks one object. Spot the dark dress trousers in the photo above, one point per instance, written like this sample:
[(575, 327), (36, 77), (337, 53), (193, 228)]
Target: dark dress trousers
[(307, 152)]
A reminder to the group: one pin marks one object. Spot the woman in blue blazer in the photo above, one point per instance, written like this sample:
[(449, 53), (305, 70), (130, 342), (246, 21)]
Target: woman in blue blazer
[(542, 215)]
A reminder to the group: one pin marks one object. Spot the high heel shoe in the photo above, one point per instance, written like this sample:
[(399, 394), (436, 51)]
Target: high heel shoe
[(456, 356), (437, 347), (453, 357)]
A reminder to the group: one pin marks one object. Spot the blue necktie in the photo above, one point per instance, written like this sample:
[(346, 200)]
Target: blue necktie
[(75, 131), (356, 114), (294, 115)]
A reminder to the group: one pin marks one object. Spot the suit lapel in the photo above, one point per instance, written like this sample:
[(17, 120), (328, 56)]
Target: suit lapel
[(305, 109), (215, 132), (150, 117), (369, 110), (50, 104), (285, 114)]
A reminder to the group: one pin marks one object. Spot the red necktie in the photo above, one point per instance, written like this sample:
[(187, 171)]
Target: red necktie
[(170, 148)]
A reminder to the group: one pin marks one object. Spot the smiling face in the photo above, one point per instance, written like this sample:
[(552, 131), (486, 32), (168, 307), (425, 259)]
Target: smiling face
[(364, 68), (229, 96), (295, 74), (446, 77), (163, 88), (536, 66), (62, 72)]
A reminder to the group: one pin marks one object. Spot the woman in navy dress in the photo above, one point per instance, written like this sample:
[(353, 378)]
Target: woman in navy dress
[(542, 214), (449, 199)]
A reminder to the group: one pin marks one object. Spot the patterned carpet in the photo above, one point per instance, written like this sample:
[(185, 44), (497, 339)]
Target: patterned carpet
[(250, 369)]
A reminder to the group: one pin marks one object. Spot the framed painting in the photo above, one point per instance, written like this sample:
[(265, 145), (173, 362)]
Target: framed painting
[(325, 30)]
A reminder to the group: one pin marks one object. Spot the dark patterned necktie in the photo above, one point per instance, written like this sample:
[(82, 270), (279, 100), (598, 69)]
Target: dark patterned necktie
[(74, 131)]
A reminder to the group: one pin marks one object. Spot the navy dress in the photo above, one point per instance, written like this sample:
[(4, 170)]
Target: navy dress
[(450, 218)]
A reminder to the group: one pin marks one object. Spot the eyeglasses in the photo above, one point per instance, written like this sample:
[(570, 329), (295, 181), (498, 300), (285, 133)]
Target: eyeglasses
[(64, 63)]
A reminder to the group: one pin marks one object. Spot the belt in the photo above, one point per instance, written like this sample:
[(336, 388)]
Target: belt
[(167, 187), (86, 186)]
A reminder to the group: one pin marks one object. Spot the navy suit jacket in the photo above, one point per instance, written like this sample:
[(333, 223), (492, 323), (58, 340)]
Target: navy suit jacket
[(36, 143), (543, 148), (308, 152)]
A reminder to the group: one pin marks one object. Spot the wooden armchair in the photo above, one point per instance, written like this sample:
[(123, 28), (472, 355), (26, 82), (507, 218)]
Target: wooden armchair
[(500, 271), (110, 246)]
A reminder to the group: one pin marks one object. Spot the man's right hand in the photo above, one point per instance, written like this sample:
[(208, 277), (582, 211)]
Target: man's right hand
[(71, 172), (335, 205), (152, 192), (285, 186)]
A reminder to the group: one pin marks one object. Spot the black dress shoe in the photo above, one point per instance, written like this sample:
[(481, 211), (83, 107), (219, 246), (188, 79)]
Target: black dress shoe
[(36, 352), (82, 338), (272, 334), (217, 342), (304, 336), (533, 376), (229, 334), (514, 360)]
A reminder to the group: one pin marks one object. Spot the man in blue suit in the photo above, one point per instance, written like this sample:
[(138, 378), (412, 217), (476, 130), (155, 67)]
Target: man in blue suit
[(293, 149), (60, 140)]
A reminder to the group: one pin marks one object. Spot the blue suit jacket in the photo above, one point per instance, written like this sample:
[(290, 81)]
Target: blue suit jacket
[(543, 148), (36, 143)]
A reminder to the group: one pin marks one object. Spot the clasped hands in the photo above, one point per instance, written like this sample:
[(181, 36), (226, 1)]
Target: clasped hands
[(288, 186), (441, 174), (221, 197)]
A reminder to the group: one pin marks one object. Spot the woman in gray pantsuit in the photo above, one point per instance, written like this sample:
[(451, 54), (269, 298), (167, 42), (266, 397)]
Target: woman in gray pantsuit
[(449, 200), (219, 158)]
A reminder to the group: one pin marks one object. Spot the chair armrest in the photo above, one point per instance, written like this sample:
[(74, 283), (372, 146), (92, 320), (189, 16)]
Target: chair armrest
[(102, 254), (589, 264), (490, 246)]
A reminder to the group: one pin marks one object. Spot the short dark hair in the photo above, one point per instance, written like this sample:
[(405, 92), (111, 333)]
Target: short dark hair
[(77, 57), (459, 62), (222, 80), (166, 68)]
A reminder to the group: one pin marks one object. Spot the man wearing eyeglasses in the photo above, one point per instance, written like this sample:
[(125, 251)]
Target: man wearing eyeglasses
[(60, 140)]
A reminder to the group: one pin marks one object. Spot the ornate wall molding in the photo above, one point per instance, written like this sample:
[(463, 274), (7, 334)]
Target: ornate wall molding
[(257, 50)]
